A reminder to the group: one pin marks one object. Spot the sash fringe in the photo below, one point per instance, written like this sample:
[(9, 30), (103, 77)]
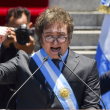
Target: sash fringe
[(104, 9)]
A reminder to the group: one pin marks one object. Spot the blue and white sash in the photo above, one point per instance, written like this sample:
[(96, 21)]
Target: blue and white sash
[(56, 80), (105, 2)]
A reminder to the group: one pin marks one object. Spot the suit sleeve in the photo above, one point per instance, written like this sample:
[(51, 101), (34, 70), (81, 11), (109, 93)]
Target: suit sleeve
[(7, 53), (105, 82), (9, 71), (90, 99)]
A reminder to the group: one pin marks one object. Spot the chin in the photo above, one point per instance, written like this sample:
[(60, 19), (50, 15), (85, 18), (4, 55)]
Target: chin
[(55, 57)]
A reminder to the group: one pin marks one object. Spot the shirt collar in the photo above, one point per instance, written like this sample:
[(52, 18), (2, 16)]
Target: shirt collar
[(63, 57)]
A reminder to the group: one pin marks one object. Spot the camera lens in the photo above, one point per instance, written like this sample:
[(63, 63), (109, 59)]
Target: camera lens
[(22, 36)]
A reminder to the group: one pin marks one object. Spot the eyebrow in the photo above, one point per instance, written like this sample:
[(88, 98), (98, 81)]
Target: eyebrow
[(52, 32)]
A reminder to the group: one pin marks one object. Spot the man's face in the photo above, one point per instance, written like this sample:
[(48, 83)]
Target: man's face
[(17, 22), (53, 48), (29, 46)]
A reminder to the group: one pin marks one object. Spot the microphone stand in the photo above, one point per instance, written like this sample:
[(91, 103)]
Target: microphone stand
[(45, 59), (60, 55)]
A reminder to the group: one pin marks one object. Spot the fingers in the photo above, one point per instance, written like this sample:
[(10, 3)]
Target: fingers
[(28, 48), (2, 39), (31, 41), (10, 30), (29, 25), (7, 31), (10, 39), (12, 35), (3, 33)]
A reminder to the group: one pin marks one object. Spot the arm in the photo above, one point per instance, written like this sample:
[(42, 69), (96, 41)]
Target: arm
[(91, 101), (105, 82), (8, 71), (7, 50), (12, 69), (7, 53)]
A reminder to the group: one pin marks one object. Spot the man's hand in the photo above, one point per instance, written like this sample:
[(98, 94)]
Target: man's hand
[(4, 31), (11, 37), (28, 48)]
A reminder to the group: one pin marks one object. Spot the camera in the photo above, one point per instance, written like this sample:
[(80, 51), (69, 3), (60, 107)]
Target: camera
[(23, 33)]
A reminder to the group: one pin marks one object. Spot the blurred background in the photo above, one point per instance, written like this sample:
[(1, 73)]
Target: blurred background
[(35, 7), (87, 19)]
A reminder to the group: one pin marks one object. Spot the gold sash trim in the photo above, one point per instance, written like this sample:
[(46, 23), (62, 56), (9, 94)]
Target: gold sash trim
[(104, 9), (64, 92)]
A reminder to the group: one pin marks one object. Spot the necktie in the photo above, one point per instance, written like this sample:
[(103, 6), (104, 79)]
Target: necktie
[(56, 62)]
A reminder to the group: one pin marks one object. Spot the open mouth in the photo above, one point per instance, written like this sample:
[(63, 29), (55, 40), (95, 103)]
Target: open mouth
[(55, 49)]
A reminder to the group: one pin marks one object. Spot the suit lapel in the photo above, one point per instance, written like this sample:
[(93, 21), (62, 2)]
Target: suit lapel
[(38, 75), (72, 62)]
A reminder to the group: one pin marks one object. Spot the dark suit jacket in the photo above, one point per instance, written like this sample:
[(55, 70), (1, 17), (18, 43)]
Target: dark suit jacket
[(33, 95), (105, 82), (6, 91)]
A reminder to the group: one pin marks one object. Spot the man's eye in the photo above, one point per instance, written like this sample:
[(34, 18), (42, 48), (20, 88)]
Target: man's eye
[(49, 36)]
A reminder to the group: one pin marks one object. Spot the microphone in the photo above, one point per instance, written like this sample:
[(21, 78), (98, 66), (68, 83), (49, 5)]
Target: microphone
[(44, 60), (60, 55)]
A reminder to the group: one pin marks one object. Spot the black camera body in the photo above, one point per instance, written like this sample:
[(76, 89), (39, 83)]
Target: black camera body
[(23, 33)]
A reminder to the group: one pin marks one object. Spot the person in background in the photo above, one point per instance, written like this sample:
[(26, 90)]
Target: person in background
[(105, 82), (53, 86), (9, 48), (103, 54), (15, 18)]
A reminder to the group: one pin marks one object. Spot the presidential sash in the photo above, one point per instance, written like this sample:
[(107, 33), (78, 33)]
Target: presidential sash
[(56, 80)]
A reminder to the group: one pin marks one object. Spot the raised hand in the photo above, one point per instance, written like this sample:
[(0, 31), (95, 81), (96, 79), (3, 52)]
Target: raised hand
[(4, 31)]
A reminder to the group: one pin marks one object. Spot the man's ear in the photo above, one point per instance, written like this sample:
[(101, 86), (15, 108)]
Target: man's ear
[(30, 25)]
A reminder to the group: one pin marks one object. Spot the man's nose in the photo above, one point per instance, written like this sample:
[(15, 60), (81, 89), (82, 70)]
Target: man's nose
[(55, 41)]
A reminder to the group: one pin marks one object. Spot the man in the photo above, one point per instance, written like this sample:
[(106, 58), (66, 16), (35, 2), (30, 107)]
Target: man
[(53, 86), (16, 17), (9, 48)]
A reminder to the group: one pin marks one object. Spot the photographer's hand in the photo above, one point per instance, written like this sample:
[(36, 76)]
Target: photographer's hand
[(28, 48), (10, 38), (4, 31)]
